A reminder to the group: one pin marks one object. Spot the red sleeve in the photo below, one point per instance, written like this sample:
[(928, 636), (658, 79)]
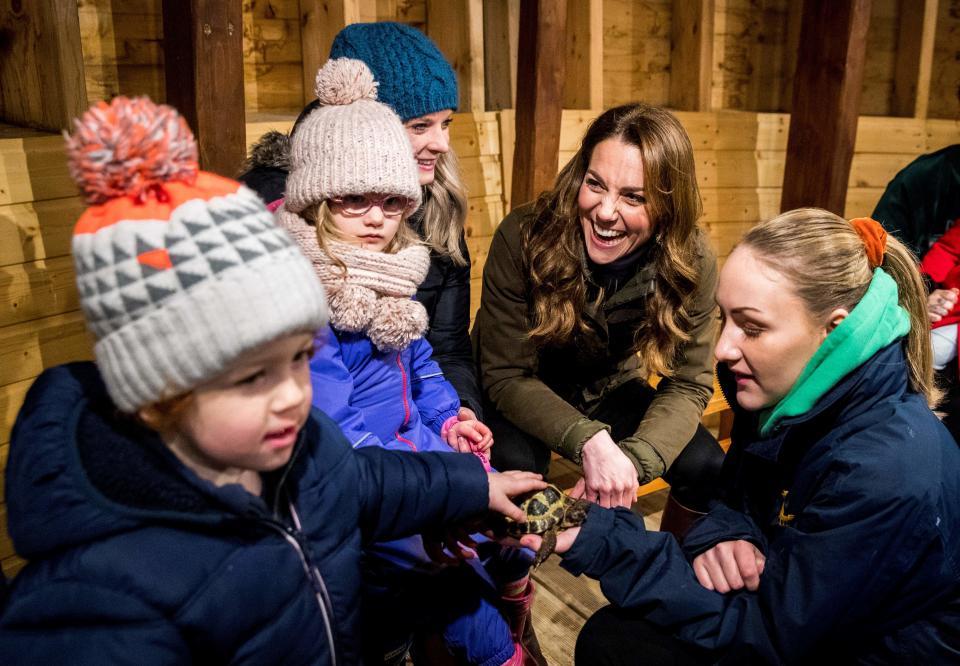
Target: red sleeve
[(943, 255)]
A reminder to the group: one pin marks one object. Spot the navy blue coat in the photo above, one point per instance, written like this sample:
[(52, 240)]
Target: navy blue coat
[(856, 506), (134, 559)]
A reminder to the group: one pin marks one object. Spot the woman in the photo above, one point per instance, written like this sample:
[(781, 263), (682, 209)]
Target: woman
[(417, 82), (606, 279), (838, 537)]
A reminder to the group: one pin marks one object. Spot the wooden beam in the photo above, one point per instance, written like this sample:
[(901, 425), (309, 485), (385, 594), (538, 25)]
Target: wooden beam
[(826, 97), (584, 89), (540, 77), (41, 64), (691, 54), (320, 21), (457, 28), (501, 23), (203, 63), (794, 21), (911, 78)]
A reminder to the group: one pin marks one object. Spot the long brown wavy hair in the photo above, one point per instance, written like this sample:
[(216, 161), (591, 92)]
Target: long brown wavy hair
[(552, 239)]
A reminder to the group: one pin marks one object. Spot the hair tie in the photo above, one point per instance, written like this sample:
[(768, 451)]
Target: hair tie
[(874, 239)]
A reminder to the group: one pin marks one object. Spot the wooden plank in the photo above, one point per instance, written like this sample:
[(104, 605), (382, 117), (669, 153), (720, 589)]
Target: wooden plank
[(39, 230), (507, 121), (540, 76), (482, 175), (691, 55), (827, 89), (37, 289), (584, 55), (940, 134), (636, 51), (320, 21), (33, 168), (501, 22), (914, 59), (483, 216), (475, 134), (457, 28), (204, 77), (11, 399), (945, 75), (41, 71), (29, 348)]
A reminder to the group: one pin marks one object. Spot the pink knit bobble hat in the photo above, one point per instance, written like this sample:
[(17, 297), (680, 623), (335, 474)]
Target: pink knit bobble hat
[(350, 144)]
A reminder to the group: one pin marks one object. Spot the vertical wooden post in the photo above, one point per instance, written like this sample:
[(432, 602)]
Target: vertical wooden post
[(540, 77), (320, 21), (584, 89), (826, 99), (911, 79), (691, 54), (457, 28), (41, 64), (501, 23), (203, 67), (794, 20)]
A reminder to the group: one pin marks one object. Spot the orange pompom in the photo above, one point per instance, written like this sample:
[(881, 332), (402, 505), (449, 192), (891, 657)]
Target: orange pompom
[(128, 147)]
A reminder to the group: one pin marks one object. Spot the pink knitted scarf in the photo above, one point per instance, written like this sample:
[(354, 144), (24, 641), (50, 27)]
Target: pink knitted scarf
[(373, 296)]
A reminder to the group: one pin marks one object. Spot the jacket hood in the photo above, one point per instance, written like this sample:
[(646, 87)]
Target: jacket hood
[(78, 471), (272, 150)]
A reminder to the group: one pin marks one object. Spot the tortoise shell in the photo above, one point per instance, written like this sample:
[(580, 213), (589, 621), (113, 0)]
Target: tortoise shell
[(547, 510)]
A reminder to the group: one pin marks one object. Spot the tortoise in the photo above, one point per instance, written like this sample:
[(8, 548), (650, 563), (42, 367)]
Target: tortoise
[(548, 511)]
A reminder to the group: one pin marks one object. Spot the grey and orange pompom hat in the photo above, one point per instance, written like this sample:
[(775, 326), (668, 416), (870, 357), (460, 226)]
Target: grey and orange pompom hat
[(180, 271)]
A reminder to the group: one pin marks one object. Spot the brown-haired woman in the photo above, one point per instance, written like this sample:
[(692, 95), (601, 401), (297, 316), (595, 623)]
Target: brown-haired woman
[(606, 279)]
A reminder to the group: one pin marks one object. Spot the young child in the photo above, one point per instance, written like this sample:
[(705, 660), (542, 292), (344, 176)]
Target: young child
[(941, 265), (352, 182), (179, 501)]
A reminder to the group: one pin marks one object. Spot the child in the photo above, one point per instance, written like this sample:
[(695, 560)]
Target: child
[(353, 180), (179, 501), (941, 265)]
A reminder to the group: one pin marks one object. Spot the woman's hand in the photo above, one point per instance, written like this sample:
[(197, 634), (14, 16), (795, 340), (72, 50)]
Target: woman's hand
[(610, 478), (504, 485), (730, 565), (940, 302)]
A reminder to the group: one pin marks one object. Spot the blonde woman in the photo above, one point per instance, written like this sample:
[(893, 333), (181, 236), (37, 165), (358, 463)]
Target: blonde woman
[(606, 279), (838, 536)]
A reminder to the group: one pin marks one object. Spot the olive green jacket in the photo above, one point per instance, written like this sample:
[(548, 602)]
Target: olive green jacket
[(550, 393)]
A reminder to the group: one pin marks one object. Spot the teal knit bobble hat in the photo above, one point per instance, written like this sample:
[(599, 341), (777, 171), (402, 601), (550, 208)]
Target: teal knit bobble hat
[(413, 76)]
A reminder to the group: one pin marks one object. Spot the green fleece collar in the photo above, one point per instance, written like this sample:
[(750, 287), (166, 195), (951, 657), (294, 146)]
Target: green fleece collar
[(875, 322)]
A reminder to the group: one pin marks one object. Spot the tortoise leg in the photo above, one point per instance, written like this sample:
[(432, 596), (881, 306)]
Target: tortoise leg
[(546, 547)]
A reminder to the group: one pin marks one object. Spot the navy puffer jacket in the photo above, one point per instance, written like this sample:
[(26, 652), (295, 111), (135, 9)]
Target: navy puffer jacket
[(856, 506), (134, 559)]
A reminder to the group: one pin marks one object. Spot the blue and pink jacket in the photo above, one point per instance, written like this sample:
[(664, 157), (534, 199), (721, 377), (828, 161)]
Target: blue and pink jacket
[(395, 400)]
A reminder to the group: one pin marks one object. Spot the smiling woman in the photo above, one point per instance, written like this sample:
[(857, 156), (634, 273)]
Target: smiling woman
[(606, 279)]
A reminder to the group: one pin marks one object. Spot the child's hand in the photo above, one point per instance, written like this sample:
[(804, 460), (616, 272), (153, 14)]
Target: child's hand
[(457, 540), (565, 540), (469, 436), (504, 485)]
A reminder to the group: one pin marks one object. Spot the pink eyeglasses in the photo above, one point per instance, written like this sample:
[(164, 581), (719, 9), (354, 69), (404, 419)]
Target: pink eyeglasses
[(359, 204)]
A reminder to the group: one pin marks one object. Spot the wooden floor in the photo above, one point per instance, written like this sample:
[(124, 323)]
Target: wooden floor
[(563, 603)]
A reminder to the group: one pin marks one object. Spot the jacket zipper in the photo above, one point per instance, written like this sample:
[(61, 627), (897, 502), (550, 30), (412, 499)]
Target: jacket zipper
[(291, 536), (406, 405)]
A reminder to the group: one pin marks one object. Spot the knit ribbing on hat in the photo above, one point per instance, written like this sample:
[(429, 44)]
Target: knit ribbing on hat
[(414, 77), (373, 295), (352, 145)]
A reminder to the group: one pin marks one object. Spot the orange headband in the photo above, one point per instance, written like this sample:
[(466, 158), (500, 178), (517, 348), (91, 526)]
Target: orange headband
[(874, 239)]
